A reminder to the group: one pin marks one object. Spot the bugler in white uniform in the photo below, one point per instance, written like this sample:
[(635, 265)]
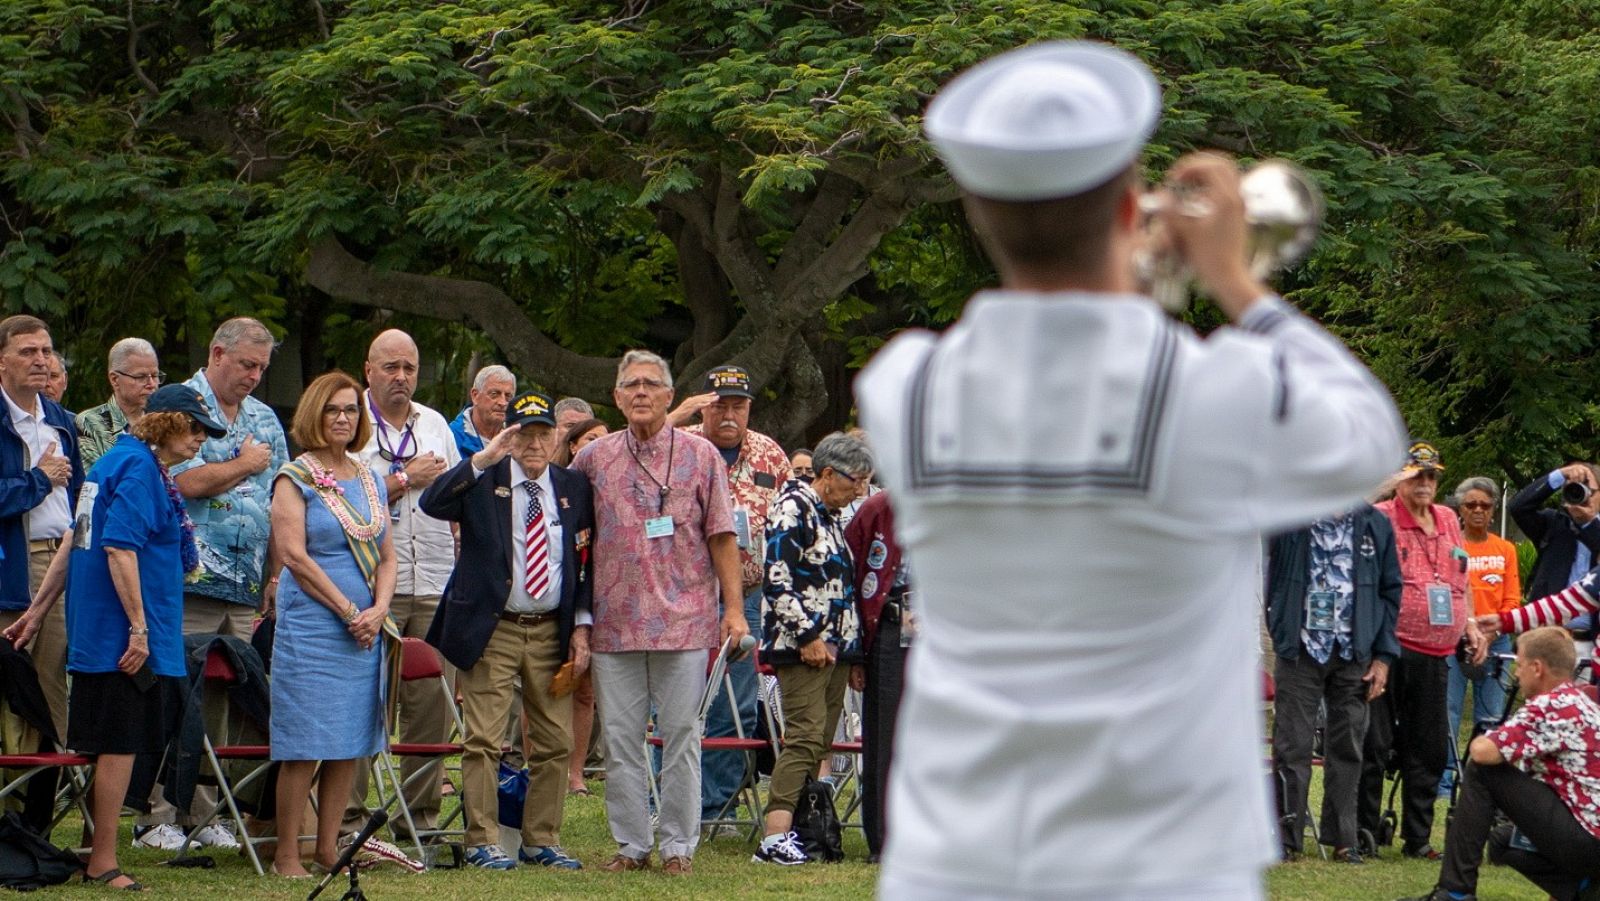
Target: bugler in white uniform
[(1082, 483)]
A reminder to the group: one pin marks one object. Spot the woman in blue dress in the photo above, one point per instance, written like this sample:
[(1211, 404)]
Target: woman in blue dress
[(329, 519)]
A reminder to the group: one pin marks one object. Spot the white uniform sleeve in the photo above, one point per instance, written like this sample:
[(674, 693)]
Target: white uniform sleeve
[(1333, 434)]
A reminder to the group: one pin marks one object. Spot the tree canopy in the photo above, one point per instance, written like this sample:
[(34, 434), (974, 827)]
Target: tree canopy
[(726, 181)]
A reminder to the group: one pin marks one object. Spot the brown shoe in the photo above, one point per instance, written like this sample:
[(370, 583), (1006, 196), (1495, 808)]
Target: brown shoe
[(678, 866), (622, 863)]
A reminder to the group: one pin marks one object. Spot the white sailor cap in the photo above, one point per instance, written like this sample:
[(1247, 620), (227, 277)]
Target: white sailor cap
[(1045, 121)]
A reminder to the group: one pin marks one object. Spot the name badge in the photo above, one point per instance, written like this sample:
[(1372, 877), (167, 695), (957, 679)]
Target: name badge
[(1319, 611), (658, 527), (741, 527), (1440, 611)]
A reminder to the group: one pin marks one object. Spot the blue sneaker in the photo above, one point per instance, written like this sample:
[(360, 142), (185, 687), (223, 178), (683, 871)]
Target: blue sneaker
[(489, 857), (548, 856)]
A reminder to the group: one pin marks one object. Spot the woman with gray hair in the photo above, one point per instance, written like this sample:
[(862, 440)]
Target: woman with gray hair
[(811, 635), (1496, 586)]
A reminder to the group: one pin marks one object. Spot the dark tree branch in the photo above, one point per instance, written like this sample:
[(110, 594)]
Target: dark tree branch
[(831, 201), (333, 269), (150, 88)]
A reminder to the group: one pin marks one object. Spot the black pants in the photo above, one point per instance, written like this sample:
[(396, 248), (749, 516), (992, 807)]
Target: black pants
[(1566, 853), (886, 670), (1410, 718), (1302, 684)]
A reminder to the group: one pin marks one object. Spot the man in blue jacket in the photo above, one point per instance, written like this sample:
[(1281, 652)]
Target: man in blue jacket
[(40, 474), (1333, 596)]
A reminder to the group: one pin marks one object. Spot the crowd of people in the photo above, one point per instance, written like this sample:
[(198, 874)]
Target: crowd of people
[(564, 573)]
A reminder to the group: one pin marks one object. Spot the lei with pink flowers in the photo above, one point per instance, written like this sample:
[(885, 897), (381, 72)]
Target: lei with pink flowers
[(332, 494)]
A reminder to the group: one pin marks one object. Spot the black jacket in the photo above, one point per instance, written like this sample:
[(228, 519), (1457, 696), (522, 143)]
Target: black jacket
[(1555, 535), (1378, 585), (476, 594)]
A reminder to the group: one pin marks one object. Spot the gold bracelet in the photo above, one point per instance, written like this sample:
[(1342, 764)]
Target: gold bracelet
[(352, 613)]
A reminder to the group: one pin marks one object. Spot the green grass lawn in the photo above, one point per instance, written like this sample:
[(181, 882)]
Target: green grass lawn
[(722, 870)]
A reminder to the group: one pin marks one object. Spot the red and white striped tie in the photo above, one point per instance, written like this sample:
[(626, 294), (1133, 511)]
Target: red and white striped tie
[(536, 565)]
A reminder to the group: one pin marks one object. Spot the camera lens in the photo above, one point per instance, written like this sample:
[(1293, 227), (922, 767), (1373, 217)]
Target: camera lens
[(1574, 492)]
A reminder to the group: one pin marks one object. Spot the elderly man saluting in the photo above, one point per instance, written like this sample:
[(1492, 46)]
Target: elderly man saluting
[(665, 555), (517, 605)]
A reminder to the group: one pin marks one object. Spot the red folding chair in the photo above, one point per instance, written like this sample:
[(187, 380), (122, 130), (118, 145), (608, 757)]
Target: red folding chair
[(219, 675), (418, 661)]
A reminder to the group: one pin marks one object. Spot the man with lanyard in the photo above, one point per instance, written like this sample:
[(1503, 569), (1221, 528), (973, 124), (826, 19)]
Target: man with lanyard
[(1541, 771), (757, 467), (135, 374), (411, 445), (485, 414), (229, 490), (1081, 483), (665, 555), (40, 475)]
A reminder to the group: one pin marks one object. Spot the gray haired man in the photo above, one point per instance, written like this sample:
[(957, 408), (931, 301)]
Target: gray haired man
[(485, 413), (135, 374)]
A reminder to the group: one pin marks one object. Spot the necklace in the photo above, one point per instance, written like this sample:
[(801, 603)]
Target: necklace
[(332, 494)]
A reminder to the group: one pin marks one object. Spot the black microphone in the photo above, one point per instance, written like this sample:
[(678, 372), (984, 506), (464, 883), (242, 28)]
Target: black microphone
[(374, 823)]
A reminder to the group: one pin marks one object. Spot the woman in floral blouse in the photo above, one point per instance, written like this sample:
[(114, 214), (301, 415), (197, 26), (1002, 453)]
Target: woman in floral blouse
[(809, 623)]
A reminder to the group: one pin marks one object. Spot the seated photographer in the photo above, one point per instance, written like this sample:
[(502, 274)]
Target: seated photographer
[(1540, 769)]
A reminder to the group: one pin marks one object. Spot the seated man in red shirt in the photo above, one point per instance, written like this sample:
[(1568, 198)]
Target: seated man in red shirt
[(1541, 770)]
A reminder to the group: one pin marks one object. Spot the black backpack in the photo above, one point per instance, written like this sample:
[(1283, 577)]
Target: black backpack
[(816, 822), (28, 861)]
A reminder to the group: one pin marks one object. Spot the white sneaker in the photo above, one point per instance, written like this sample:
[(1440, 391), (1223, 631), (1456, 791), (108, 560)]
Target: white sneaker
[(216, 836), (782, 849), (165, 837)]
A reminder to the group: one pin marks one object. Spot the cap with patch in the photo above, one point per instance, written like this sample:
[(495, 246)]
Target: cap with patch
[(729, 381), (1422, 456), (531, 406), (1046, 121), (180, 398)]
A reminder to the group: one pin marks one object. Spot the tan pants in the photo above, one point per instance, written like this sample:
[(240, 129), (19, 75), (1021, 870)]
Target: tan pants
[(49, 645), (812, 701), (487, 694), (424, 719), (204, 615)]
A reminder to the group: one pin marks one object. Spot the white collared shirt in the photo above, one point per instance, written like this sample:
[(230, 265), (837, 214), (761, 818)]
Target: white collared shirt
[(53, 515), (424, 547), (519, 601)]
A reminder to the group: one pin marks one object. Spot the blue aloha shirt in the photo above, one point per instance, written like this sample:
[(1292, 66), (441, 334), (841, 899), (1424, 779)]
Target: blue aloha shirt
[(809, 586), (1332, 569), (231, 528)]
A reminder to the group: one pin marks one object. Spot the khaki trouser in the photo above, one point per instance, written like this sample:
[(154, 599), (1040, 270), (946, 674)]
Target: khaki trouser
[(487, 693), (203, 616), (49, 645), (424, 719), (812, 700)]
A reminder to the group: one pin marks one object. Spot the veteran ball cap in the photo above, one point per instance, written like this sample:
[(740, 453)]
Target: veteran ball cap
[(1046, 121), (180, 398), (531, 407), (729, 381), (1422, 456)]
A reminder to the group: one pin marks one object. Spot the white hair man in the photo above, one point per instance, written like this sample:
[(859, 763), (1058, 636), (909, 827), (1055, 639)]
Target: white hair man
[(135, 374), (485, 413), (1103, 475)]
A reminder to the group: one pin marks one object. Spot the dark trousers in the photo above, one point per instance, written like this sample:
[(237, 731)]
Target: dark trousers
[(1410, 719), (1303, 684), (1566, 853), (886, 671)]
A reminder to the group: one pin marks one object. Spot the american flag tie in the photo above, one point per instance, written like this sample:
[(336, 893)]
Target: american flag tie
[(536, 566)]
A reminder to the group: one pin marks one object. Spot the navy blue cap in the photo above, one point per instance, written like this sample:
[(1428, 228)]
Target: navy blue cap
[(180, 398)]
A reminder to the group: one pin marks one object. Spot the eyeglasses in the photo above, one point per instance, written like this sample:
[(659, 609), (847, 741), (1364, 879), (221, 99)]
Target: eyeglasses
[(350, 412), (847, 476), (1477, 505), (160, 378), (634, 384)]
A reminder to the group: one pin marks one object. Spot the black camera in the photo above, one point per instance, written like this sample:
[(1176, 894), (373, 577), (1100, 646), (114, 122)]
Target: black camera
[(1575, 493)]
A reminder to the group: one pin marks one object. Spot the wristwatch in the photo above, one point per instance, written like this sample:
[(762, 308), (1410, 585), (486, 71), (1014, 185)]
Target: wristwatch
[(404, 478)]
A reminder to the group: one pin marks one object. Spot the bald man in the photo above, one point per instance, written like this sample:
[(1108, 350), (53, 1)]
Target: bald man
[(409, 448)]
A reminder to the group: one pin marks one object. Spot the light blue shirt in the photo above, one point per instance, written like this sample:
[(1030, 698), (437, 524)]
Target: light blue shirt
[(1580, 557), (231, 528)]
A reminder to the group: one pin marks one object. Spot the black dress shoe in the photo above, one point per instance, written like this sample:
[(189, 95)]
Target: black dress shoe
[(1439, 894)]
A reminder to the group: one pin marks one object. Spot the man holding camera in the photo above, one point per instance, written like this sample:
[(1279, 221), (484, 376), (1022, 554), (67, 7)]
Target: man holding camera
[(1568, 537)]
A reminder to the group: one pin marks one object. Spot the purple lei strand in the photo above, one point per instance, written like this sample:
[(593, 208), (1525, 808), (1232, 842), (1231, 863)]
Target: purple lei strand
[(187, 548)]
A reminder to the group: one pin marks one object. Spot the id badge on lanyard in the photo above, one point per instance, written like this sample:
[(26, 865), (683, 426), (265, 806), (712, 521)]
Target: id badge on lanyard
[(1440, 611), (1319, 611)]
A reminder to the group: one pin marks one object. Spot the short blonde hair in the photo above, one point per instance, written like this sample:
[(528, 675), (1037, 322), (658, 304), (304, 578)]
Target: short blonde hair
[(156, 429), (1552, 646), (306, 429)]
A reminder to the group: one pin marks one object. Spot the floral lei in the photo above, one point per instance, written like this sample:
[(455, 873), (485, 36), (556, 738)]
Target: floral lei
[(187, 549), (332, 494)]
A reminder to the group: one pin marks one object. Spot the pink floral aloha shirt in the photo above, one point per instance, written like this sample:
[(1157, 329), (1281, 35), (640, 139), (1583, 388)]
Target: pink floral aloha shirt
[(754, 478), (1555, 737)]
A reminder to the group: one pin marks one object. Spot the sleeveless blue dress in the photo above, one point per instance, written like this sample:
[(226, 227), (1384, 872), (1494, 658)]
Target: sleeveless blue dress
[(327, 693)]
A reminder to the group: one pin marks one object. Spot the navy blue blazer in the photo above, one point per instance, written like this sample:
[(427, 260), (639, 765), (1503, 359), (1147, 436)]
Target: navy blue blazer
[(476, 594), (23, 489)]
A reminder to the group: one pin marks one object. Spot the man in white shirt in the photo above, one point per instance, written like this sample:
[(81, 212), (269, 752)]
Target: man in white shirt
[(411, 445), (40, 474), (1081, 483)]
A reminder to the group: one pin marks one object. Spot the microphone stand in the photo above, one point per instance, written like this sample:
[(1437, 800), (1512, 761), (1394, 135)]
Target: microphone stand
[(347, 860)]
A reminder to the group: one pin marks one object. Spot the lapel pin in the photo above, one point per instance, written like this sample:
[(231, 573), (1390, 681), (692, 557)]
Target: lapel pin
[(564, 504), (502, 491)]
